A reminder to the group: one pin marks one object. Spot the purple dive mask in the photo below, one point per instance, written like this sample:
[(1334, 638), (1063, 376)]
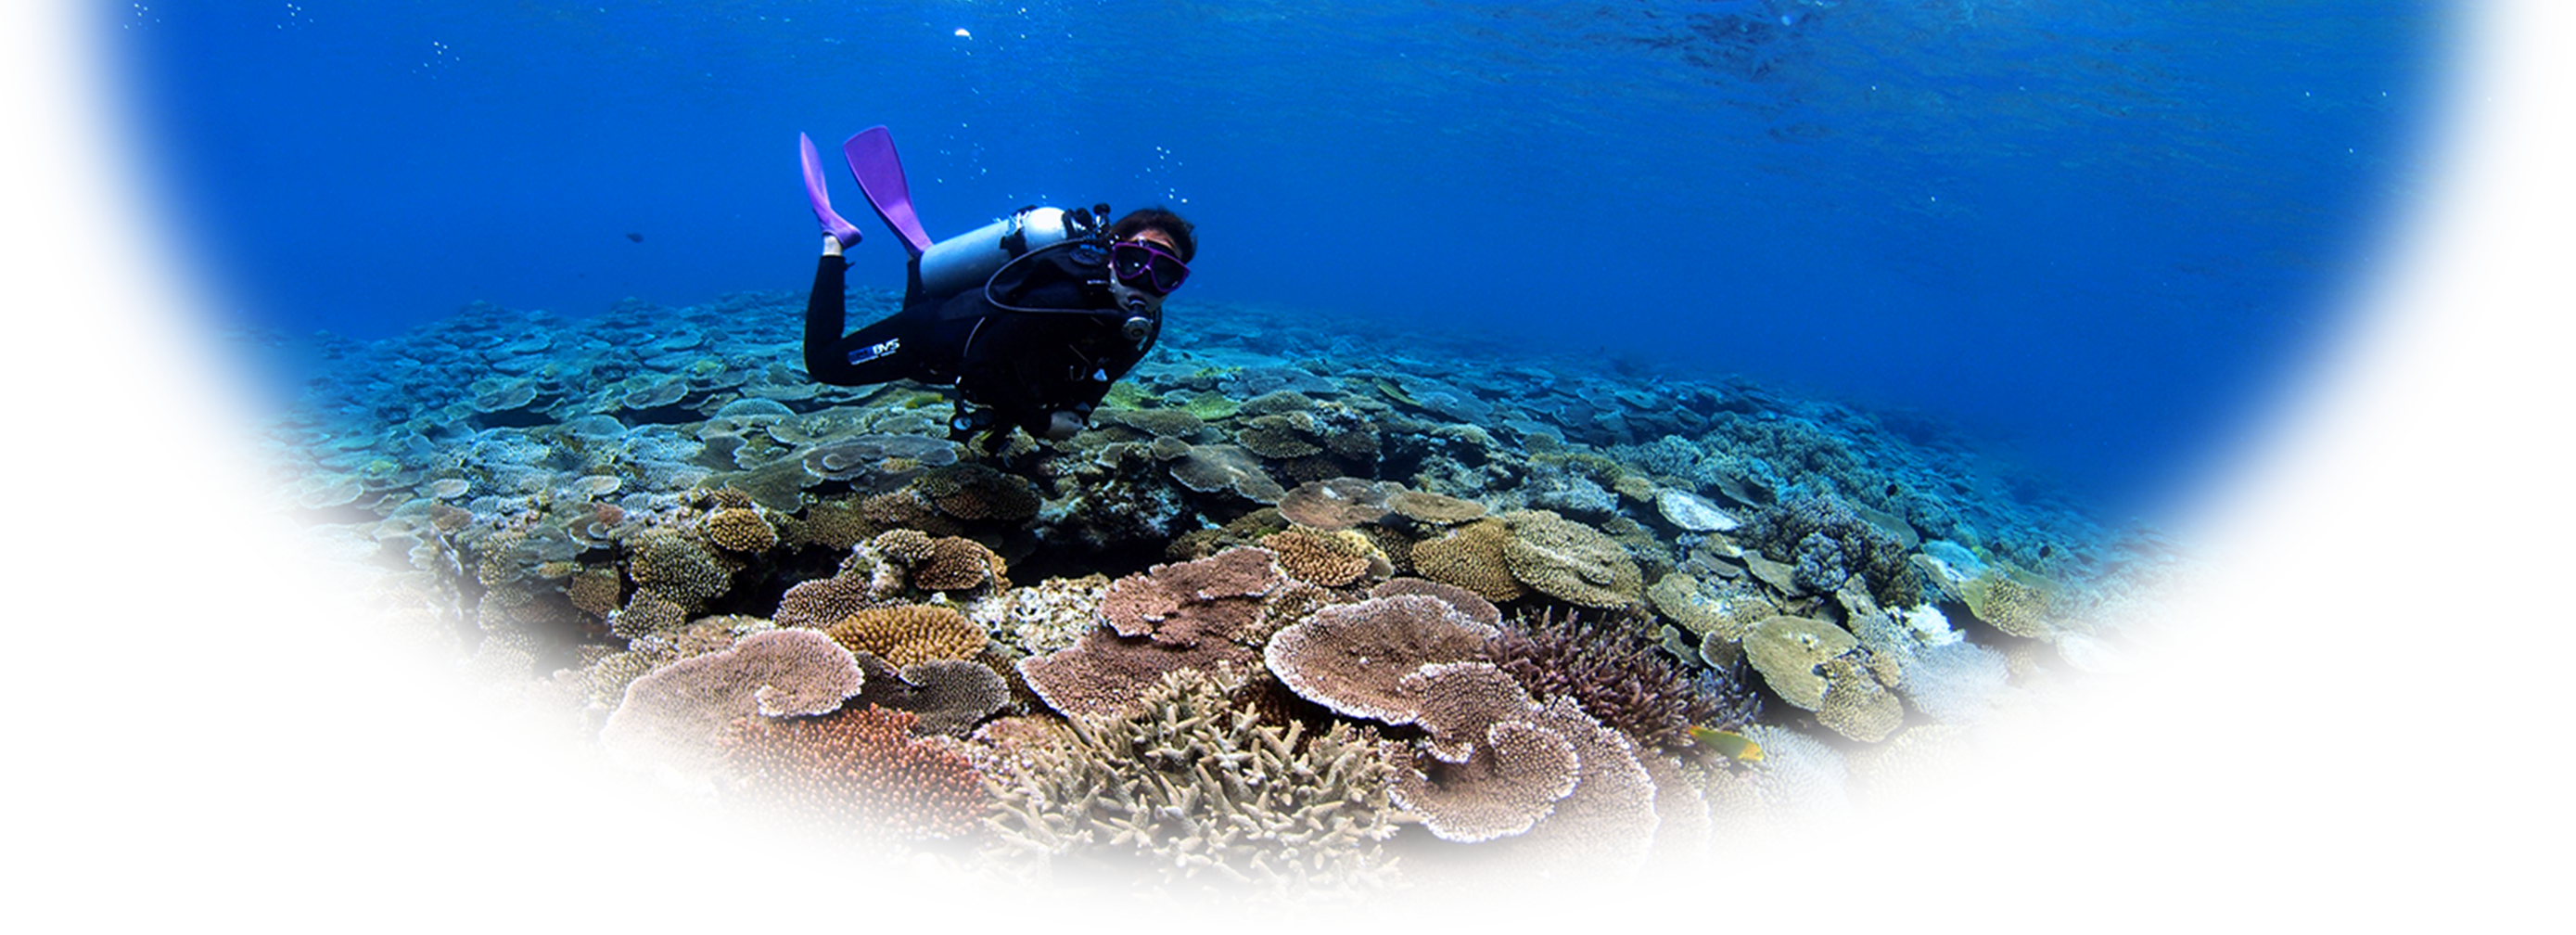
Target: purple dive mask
[(1143, 265)]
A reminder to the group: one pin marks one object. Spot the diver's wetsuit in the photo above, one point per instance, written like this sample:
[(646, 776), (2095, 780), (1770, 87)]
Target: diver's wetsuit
[(1056, 347)]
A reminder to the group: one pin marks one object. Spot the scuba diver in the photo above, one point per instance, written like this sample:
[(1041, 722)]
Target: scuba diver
[(1031, 317)]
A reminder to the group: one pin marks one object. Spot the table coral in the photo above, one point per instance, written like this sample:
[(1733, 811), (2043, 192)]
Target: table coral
[(1585, 851), (861, 770), (1107, 674), (1787, 650), (1474, 605), (1335, 503), (671, 714), (1205, 794), (1433, 509), (1570, 561), (948, 696), (1353, 658), (970, 491)]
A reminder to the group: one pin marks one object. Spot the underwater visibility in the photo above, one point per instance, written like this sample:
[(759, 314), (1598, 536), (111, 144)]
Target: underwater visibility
[(1525, 437)]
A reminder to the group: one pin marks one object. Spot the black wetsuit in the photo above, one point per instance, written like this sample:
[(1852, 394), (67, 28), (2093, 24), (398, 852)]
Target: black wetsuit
[(1043, 336)]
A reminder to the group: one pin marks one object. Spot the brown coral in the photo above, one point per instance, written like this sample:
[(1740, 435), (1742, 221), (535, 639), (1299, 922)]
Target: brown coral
[(948, 695), (1335, 503), (596, 591), (971, 491), (1211, 468), (739, 529), (1107, 675), (678, 568), (1788, 650), (1329, 559), (1434, 509), (1471, 557), (910, 633), (1855, 705), (1585, 851), (1570, 561), (1353, 658), (674, 712), (956, 563), (1182, 603), (861, 770)]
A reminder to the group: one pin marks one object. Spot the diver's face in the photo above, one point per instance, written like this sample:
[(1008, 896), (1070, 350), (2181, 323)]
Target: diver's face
[(1155, 236)]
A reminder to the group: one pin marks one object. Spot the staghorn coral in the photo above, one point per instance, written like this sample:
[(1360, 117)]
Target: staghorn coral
[(1331, 559), (1610, 668), (1570, 561), (1802, 787), (674, 713), (1471, 557), (1922, 763), (1209, 795), (1353, 658), (738, 529), (860, 770), (906, 634)]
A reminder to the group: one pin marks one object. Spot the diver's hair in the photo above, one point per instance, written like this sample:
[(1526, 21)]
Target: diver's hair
[(1161, 219)]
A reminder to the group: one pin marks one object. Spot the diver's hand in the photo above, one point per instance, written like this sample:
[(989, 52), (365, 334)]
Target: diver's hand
[(1062, 426)]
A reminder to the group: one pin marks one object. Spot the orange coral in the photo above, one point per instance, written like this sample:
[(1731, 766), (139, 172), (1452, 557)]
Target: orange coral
[(859, 769), (906, 634)]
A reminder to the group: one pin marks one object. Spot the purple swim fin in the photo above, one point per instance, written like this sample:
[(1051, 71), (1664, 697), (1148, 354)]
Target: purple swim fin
[(880, 174), (820, 197)]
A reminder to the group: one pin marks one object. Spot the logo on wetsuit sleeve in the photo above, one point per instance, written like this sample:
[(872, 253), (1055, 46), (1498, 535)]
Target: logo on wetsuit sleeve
[(885, 348)]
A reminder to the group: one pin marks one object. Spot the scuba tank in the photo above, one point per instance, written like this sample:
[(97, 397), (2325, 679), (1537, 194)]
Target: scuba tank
[(967, 260)]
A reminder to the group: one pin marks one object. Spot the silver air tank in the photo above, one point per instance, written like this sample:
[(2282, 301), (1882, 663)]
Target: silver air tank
[(965, 261)]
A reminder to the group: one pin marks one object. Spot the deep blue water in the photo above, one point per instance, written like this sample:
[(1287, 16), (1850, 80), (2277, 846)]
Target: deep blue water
[(2103, 234)]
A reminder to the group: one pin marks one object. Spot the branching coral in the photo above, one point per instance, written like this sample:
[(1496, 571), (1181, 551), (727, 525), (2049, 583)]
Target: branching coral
[(861, 770), (1209, 795), (738, 529), (1608, 667)]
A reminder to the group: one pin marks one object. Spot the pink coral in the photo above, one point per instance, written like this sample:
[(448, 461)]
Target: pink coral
[(1352, 657), (673, 712)]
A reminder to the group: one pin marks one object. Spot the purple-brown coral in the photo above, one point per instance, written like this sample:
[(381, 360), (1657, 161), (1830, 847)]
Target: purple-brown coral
[(1609, 668), (861, 769), (1352, 658)]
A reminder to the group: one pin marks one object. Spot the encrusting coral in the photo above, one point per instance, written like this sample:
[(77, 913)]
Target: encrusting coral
[(1208, 796), (860, 770)]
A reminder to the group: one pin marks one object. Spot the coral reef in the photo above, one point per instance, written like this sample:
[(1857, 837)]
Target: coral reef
[(860, 770), (653, 515), (1206, 796)]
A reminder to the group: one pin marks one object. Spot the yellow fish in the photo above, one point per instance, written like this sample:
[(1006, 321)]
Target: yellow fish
[(1729, 744)]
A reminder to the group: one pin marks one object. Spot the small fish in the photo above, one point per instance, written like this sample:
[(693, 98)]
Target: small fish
[(638, 238), (1729, 744)]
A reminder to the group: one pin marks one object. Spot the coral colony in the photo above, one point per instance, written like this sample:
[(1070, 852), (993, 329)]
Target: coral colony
[(1300, 614)]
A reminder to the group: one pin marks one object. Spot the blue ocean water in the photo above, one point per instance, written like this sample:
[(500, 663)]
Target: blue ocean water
[(2102, 235)]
